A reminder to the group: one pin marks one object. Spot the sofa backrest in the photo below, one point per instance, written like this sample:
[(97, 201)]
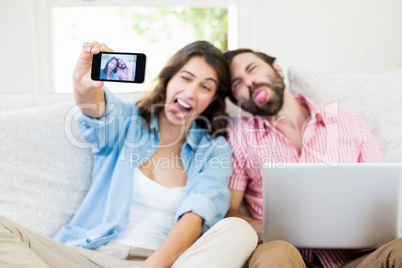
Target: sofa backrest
[(376, 95), (19, 101)]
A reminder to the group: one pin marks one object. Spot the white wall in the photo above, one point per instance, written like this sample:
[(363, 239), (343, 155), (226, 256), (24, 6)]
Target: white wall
[(330, 35), (322, 35), (17, 72)]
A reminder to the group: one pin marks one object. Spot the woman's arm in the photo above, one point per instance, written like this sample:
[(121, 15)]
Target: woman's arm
[(206, 202), (88, 94), (186, 231)]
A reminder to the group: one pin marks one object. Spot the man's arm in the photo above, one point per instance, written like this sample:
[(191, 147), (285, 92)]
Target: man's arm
[(235, 201), (370, 150), (239, 178), (186, 231)]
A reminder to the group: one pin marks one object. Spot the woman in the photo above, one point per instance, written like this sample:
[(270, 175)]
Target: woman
[(110, 70), (159, 181)]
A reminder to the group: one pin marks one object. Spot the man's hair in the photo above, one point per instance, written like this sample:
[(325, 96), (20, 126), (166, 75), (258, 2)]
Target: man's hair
[(215, 113), (230, 54)]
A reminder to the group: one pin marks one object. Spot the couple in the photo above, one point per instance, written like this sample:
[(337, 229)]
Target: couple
[(116, 69), (140, 214)]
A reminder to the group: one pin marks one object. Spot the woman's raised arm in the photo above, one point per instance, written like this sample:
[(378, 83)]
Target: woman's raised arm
[(88, 94)]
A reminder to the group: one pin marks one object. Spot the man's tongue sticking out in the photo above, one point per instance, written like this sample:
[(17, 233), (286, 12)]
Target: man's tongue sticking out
[(260, 95)]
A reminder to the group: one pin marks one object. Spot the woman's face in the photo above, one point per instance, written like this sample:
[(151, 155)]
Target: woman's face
[(190, 91), (112, 65)]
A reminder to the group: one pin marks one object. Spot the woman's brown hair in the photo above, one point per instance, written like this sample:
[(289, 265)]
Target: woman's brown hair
[(215, 113)]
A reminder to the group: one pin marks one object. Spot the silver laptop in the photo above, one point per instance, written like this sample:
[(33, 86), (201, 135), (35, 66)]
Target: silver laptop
[(319, 206)]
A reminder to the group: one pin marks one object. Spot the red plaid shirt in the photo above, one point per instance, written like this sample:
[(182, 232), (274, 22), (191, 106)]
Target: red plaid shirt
[(331, 135)]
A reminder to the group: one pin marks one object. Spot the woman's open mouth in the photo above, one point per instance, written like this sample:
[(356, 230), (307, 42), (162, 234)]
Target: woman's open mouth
[(180, 109)]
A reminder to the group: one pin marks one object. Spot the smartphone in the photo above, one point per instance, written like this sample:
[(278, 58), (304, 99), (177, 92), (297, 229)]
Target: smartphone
[(118, 67)]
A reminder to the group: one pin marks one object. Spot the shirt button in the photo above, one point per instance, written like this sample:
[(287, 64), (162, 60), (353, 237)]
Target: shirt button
[(149, 151)]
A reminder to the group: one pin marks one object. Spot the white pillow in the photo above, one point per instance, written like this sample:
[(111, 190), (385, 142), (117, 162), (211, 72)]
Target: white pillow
[(377, 96), (43, 176)]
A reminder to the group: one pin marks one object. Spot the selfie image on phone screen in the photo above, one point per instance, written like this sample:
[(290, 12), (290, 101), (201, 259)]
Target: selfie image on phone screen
[(118, 67)]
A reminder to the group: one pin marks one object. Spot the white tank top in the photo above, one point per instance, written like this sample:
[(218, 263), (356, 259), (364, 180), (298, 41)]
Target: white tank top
[(152, 210)]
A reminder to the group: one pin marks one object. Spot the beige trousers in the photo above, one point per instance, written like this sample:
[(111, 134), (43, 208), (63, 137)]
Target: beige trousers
[(278, 254), (228, 243), (386, 256), (282, 254)]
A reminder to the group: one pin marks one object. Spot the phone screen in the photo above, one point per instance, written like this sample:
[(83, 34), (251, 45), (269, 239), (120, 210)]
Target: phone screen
[(118, 67)]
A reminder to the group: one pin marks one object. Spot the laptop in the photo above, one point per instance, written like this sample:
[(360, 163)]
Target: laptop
[(349, 206)]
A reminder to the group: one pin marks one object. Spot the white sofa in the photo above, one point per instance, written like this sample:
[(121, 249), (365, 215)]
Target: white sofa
[(45, 167)]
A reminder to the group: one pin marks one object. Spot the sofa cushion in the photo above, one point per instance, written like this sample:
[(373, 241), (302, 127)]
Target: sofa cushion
[(43, 175), (377, 96), (11, 101)]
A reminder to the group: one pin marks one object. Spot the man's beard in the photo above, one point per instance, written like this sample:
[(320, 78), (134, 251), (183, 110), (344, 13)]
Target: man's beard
[(272, 106)]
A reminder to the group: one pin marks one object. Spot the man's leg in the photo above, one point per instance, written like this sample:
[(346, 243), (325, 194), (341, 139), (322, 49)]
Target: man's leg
[(20, 247), (276, 254), (228, 244), (386, 256)]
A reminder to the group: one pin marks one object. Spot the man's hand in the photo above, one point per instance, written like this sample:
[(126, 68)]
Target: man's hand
[(256, 224)]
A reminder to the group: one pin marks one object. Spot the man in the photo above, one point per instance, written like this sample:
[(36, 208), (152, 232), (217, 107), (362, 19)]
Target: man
[(123, 71), (286, 127)]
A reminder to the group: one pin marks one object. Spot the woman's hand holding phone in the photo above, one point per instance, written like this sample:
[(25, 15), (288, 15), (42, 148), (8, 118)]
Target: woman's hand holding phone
[(88, 94), (82, 71), (88, 76)]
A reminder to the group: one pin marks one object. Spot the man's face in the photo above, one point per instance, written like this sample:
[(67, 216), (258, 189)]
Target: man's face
[(122, 64), (256, 85)]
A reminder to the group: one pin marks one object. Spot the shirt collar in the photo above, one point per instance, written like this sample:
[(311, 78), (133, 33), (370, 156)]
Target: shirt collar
[(316, 112), (194, 135), (153, 125)]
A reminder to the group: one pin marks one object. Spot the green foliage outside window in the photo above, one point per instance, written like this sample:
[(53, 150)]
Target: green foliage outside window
[(158, 23)]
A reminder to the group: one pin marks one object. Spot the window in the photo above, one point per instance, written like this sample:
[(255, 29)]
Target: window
[(155, 30)]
